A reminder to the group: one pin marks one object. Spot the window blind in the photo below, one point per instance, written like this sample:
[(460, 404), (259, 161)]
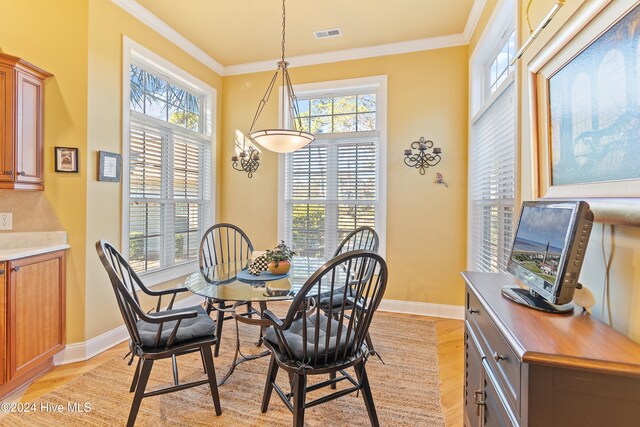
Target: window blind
[(492, 183), (330, 189), (169, 193)]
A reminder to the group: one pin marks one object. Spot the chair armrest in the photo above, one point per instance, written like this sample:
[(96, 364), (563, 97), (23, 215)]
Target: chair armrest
[(273, 319), (165, 291), (162, 318)]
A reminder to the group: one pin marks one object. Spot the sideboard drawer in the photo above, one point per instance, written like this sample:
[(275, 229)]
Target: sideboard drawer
[(500, 357)]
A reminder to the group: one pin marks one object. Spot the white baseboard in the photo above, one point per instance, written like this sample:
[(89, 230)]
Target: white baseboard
[(423, 309), (80, 351)]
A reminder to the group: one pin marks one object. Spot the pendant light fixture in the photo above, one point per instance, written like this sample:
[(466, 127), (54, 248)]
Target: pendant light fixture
[(281, 140)]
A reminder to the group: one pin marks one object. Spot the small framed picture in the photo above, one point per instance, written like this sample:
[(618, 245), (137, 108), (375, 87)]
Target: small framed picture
[(110, 166), (66, 159)]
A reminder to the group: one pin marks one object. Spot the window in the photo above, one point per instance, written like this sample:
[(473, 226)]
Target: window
[(333, 186), (492, 149), (168, 171), (501, 67)]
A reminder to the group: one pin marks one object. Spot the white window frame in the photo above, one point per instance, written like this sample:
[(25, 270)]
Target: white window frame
[(497, 30), (133, 52), (375, 84)]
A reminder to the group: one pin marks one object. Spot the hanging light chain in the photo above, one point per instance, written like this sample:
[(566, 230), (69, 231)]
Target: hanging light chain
[(284, 21)]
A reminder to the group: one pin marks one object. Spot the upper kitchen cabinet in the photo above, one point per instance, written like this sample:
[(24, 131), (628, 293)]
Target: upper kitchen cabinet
[(21, 124)]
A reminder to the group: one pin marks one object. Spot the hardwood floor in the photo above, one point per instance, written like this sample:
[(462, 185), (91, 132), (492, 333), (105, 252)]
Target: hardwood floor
[(450, 357)]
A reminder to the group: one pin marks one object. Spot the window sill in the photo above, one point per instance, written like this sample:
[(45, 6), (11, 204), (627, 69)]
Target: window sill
[(158, 277)]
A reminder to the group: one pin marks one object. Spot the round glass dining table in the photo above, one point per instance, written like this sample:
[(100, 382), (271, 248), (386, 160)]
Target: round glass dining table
[(221, 283)]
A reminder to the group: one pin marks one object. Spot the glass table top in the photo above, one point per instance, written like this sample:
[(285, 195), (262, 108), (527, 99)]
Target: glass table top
[(221, 282)]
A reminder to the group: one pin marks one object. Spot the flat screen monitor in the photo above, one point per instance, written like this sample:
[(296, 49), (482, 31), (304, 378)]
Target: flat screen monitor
[(547, 253)]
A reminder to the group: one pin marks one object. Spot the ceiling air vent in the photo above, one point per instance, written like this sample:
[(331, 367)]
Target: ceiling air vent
[(323, 34)]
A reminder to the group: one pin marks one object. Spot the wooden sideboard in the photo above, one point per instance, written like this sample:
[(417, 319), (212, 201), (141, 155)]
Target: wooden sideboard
[(21, 124), (32, 317), (528, 368)]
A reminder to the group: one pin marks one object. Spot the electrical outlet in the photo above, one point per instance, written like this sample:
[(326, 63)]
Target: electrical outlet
[(6, 221)]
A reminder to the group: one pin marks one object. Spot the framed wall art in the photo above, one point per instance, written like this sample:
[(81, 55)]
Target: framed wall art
[(109, 166), (585, 111), (66, 159)]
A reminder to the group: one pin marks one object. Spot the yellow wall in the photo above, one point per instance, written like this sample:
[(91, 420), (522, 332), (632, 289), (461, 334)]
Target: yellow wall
[(53, 36), (107, 24), (624, 241), (80, 42), (426, 223)]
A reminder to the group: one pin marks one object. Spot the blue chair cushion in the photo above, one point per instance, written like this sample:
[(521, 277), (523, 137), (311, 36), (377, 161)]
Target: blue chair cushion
[(200, 326), (295, 339)]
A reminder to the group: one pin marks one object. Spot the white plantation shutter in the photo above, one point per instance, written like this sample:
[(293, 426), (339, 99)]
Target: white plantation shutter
[(492, 182), (169, 193), (330, 189)]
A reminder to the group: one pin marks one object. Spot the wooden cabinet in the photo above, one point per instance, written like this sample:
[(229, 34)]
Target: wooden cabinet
[(34, 302), (528, 368), (21, 124), (3, 321)]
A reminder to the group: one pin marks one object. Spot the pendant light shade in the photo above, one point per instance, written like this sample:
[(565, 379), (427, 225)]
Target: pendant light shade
[(282, 140)]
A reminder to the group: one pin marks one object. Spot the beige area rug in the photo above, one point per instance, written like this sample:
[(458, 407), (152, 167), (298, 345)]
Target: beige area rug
[(405, 390)]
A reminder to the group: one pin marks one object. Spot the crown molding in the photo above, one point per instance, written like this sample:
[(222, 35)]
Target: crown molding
[(474, 17), (351, 54), (431, 43), (162, 28)]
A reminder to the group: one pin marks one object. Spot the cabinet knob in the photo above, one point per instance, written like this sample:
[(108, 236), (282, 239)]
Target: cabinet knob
[(16, 268), (498, 357), (22, 173), (1, 271), (473, 310)]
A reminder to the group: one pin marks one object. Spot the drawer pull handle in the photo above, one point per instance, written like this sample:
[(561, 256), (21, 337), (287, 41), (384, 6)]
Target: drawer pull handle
[(473, 310), (9, 172), (15, 268), (498, 357), (478, 401), (1, 271)]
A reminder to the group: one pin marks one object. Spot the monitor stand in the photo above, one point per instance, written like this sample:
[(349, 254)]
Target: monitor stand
[(530, 299)]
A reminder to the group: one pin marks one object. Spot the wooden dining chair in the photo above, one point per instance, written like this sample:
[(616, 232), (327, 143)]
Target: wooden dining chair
[(309, 342), (362, 238), (223, 243), (160, 334)]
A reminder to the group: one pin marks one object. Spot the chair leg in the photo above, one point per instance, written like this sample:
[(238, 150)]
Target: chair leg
[(174, 363), (147, 364), (204, 365), (268, 387), (207, 359), (361, 373), (299, 395), (332, 376), (136, 375), (219, 328)]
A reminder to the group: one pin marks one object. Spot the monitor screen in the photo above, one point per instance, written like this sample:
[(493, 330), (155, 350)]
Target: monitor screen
[(548, 247)]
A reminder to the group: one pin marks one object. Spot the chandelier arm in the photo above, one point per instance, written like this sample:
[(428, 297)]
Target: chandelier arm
[(294, 112), (264, 99)]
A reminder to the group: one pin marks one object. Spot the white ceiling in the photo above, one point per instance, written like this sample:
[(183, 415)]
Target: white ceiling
[(246, 31)]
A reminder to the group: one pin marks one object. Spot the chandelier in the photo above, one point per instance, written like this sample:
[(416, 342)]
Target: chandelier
[(281, 140)]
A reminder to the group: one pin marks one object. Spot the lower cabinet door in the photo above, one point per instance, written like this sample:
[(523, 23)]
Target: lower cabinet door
[(495, 413), (472, 380), (36, 320)]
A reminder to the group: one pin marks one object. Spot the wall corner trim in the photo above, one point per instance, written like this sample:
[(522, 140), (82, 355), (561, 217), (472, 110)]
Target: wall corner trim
[(162, 28), (80, 351), (423, 309), (474, 17)]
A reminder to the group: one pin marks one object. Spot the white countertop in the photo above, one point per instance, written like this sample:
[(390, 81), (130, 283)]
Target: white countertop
[(23, 244)]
